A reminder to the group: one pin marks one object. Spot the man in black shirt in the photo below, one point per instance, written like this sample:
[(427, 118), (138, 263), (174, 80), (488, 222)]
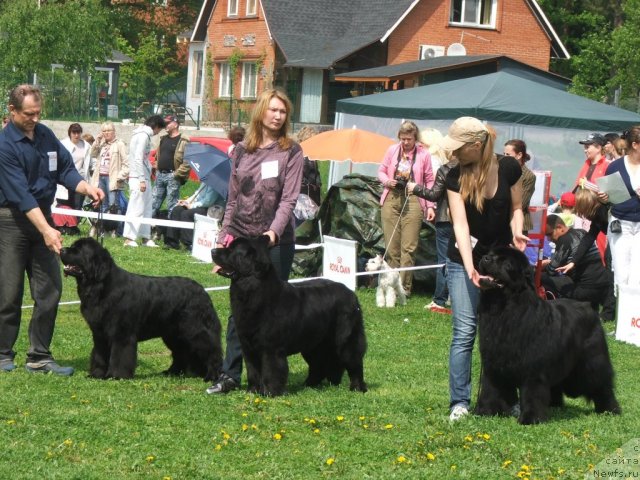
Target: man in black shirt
[(171, 170), (588, 280)]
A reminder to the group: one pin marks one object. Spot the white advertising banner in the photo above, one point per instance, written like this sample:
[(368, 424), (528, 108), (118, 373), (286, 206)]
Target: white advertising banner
[(339, 261), (628, 315), (204, 237)]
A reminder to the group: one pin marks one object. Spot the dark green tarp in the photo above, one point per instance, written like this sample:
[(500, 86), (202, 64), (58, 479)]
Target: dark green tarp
[(351, 210), (498, 97)]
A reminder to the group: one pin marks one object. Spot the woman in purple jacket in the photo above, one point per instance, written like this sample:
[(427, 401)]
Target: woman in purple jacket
[(266, 172), (402, 212)]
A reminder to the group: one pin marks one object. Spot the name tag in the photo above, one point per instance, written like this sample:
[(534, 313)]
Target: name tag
[(53, 161), (269, 169)]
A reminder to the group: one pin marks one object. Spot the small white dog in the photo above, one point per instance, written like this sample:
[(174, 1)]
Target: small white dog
[(389, 285)]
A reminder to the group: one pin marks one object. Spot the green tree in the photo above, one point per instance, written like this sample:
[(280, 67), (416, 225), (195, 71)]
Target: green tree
[(626, 57), (73, 33)]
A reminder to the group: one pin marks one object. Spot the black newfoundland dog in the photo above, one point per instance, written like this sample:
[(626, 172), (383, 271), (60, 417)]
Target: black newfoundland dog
[(123, 309), (320, 319), (541, 349)]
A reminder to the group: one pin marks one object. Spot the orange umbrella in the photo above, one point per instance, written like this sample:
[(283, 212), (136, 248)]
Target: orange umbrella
[(359, 146)]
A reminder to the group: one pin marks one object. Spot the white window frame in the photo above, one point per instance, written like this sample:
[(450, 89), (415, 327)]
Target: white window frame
[(477, 20), (249, 80), (253, 11), (224, 87), (232, 8), (198, 72)]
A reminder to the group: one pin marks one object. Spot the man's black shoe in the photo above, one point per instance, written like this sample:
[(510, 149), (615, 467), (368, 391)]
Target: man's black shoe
[(224, 384)]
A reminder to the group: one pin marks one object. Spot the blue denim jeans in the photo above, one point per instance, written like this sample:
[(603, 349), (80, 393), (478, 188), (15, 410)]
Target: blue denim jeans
[(464, 303), (444, 230), (166, 186), (109, 195), (22, 250)]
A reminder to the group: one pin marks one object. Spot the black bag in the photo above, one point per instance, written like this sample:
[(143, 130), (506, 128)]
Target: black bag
[(311, 181)]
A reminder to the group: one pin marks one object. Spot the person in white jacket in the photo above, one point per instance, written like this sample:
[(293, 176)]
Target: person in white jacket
[(140, 196)]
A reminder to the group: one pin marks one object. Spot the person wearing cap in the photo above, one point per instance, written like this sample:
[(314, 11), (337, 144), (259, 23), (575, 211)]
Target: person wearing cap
[(485, 202), (567, 204), (171, 169), (594, 167), (140, 182)]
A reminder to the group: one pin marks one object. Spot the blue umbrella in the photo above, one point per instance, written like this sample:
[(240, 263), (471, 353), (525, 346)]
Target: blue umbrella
[(212, 166)]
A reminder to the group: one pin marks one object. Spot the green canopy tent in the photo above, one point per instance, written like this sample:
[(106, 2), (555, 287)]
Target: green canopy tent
[(550, 120)]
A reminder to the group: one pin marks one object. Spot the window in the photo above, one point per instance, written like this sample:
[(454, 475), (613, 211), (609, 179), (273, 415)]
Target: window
[(251, 8), (232, 8), (249, 80), (478, 13), (225, 80), (198, 68)]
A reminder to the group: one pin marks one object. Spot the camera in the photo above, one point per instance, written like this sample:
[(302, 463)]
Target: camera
[(401, 184)]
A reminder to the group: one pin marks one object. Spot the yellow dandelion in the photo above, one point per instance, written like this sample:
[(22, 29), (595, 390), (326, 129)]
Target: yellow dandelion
[(431, 457), (49, 454), (521, 474), (245, 414), (254, 426), (277, 436), (468, 438), (561, 471), (388, 426), (218, 447), (312, 421), (330, 461), (74, 396), (226, 436), (68, 442), (365, 426), (166, 478), (525, 468), (257, 401), (361, 418), (486, 436), (150, 458), (401, 459), (245, 427), (506, 463), (340, 418), (453, 468), (316, 430), (11, 422)]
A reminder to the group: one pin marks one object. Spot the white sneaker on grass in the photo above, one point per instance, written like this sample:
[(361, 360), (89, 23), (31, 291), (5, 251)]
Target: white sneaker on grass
[(458, 412)]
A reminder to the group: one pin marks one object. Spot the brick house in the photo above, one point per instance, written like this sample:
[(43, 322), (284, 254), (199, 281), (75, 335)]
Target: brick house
[(240, 47)]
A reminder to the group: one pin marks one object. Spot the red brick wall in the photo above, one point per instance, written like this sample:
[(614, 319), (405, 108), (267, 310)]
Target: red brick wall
[(240, 26), (518, 34)]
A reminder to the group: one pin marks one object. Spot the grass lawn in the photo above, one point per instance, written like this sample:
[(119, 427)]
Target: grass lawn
[(167, 428)]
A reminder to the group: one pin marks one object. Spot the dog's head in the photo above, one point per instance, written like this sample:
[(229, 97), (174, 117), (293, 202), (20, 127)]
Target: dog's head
[(86, 260), (244, 257), (506, 267), (374, 264)]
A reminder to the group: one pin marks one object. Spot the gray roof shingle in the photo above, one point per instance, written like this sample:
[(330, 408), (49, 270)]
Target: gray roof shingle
[(315, 34)]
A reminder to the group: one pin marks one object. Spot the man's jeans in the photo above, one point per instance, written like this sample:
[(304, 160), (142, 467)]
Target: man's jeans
[(168, 187)]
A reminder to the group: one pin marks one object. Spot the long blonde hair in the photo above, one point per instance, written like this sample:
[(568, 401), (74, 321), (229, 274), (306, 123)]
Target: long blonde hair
[(253, 140), (431, 138), (587, 203), (472, 181)]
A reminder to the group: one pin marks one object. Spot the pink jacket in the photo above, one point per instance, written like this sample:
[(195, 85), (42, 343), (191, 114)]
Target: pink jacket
[(422, 172)]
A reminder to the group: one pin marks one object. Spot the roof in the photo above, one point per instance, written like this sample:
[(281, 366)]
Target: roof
[(317, 34), (498, 97), (119, 57), (434, 65)]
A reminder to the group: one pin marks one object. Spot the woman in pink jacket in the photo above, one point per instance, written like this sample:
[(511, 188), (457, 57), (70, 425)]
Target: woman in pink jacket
[(402, 212)]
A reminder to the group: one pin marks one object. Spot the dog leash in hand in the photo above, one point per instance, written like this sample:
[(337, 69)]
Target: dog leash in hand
[(100, 224), (395, 227)]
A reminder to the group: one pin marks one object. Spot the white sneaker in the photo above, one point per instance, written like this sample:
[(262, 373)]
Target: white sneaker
[(458, 412), (149, 243), (130, 243), (93, 232)]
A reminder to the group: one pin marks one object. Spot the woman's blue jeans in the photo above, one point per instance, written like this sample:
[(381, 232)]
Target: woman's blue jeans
[(464, 304)]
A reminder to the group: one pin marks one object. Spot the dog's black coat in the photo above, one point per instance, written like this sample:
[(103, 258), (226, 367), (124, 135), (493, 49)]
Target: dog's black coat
[(124, 308), (320, 319), (543, 349)]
